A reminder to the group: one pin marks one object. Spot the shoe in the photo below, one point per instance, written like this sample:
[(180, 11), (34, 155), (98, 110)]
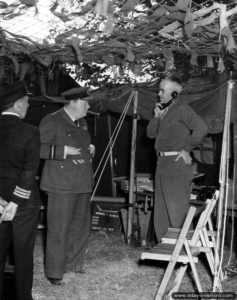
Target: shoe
[(55, 281)]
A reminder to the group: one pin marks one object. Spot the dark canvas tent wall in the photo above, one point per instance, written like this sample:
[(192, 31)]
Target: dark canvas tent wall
[(210, 105)]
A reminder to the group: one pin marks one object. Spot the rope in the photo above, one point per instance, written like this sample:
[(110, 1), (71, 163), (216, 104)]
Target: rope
[(116, 128), (112, 142)]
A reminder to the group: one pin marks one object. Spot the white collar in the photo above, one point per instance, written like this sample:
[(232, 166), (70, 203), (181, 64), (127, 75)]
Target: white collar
[(10, 113)]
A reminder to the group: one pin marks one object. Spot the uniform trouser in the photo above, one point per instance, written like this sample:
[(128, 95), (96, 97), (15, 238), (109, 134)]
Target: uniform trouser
[(21, 232), (172, 194), (68, 223)]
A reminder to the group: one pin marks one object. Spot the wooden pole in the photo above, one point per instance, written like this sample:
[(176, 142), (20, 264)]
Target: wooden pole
[(223, 180), (132, 169), (111, 155)]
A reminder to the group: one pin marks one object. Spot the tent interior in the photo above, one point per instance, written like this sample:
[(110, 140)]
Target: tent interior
[(119, 47), (209, 104)]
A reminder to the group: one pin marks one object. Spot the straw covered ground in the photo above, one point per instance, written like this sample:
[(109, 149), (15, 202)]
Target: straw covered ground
[(113, 272)]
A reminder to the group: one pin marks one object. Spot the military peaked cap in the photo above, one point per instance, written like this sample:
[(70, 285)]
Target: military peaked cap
[(9, 94), (77, 93)]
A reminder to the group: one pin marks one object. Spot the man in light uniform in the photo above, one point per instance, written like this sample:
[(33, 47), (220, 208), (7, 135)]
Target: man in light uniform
[(177, 129)]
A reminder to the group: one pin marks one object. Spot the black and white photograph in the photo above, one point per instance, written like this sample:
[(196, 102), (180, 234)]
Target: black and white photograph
[(118, 140)]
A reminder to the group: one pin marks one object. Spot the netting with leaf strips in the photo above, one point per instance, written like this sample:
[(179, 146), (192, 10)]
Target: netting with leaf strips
[(131, 30)]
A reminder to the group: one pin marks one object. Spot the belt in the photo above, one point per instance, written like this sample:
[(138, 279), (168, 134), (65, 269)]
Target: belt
[(170, 153)]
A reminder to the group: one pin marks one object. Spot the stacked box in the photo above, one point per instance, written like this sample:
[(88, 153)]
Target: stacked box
[(105, 220)]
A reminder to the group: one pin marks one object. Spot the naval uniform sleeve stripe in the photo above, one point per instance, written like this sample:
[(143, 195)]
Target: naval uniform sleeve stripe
[(22, 190), (22, 193)]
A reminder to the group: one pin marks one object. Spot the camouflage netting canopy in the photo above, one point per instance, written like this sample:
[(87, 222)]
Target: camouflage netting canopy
[(118, 31)]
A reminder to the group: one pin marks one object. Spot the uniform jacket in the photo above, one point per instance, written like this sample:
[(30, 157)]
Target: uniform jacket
[(60, 174), (179, 128), (19, 161)]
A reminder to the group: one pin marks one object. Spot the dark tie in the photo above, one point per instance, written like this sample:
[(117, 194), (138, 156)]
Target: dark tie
[(76, 123)]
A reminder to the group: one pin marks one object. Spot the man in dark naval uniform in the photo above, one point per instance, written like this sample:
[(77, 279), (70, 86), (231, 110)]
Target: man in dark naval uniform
[(68, 180), (177, 129), (20, 203)]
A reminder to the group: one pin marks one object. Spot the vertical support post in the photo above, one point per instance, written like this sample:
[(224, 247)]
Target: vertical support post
[(111, 155), (223, 180), (132, 168), (235, 159)]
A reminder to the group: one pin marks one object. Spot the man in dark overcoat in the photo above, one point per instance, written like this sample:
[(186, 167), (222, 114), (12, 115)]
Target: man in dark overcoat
[(68, 180), (19, 203)]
